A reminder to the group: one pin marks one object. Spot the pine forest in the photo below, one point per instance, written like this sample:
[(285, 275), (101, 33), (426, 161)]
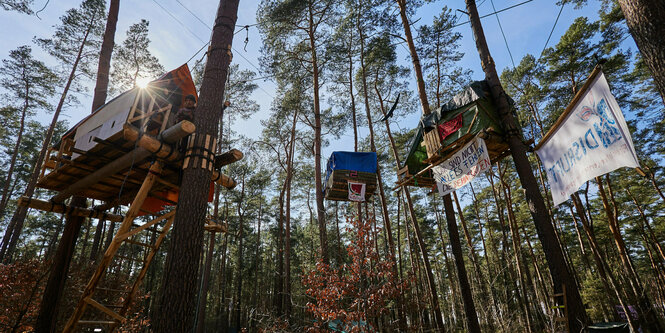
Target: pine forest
[(332, 166)]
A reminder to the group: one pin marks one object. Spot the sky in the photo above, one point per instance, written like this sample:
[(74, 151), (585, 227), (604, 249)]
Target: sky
[(179, 28)]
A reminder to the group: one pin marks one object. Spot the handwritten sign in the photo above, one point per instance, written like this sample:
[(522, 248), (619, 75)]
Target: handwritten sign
[(462, 167), (591, 140)]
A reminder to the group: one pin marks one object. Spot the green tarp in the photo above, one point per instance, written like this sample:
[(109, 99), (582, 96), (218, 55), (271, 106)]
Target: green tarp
[(478, 113)]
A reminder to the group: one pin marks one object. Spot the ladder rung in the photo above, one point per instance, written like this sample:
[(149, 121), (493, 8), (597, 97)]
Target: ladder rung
[(147, 229), (558, 295), (97, 322), (113, 290), (130, 259), (104, 309), (139, 243), (561, 319)]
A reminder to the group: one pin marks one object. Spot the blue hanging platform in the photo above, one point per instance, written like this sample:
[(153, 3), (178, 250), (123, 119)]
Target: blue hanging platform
[(346, 167)]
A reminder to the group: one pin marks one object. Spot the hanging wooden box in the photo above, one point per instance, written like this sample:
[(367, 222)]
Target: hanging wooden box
[(404, 177), (337, 187), (497, 147)]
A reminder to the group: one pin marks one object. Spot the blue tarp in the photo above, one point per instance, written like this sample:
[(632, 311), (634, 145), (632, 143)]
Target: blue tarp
[(348, 160)]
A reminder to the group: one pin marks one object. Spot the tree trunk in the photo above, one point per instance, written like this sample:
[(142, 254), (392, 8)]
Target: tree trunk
[(467, 298), (603, 268), (420, 80), (12, 161), (646, 23), (287, 232), (559, 270), (67, 245), (240, 261), (177, 306), (650, 320), (320, 208)]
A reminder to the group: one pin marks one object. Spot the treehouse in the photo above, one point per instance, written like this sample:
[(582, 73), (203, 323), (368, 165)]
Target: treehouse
[(350, 176), (443, 132), (129, 151)]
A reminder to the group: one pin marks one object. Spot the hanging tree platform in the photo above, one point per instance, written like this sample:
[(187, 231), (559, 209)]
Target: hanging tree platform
[(347, 173), (129, 151), (443, 132)]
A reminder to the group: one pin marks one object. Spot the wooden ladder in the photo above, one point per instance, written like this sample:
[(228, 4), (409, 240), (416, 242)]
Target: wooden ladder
[(123, 236), (561, 310)]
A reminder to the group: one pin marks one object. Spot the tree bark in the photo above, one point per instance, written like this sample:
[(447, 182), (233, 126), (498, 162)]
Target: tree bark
[(465, 287), (646, 23), (320, 208), (177, 306)]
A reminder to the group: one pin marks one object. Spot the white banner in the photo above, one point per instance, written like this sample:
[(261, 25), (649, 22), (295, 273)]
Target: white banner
[(462, 167), (357, 191), (591, 140)]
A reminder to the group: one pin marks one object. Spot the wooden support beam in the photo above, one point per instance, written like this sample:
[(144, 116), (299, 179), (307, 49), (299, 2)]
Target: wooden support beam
[(170, 135), (48, 206), (167, 153), (104, 263), (229, 157)]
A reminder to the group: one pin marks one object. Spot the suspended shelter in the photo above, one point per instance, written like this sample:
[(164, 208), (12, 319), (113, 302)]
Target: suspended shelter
[(444, 131), (350, 176), (129, 151)]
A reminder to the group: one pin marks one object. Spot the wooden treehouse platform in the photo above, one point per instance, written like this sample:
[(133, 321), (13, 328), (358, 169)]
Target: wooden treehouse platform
[(129, 151), (337, 188)]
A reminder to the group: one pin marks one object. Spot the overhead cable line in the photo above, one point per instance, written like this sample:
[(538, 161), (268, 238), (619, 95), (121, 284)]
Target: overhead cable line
[(195, 35), (200, 20), (502, 33), (180, 22), (563, 3), (490, 14)]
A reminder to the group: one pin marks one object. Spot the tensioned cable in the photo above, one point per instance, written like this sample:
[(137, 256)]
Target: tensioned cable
[(490, 14), (563, 3), (175, 18), (502, 33), (190, 31)]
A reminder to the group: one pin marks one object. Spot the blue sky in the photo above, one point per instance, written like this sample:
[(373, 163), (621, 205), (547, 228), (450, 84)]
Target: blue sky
[(526, 28)]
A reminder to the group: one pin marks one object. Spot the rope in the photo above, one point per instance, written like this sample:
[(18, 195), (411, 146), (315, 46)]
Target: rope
[(563, 3), (504, 36)]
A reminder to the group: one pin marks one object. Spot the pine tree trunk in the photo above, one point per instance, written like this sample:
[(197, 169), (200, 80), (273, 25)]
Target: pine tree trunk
[(646, 23), (561, 275), (517, 249), (603, 268), (420, 79), (320, 208), (287, 232), (12, 161), (240, 261), (651, 322), (177, 305), (467, 298)]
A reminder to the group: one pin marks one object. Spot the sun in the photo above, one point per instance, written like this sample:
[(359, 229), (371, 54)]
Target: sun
[(142, 82)]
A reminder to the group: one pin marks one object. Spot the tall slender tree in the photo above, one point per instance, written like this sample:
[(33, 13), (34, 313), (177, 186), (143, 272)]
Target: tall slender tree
[(176, 309), (29, 83), (72, 44)]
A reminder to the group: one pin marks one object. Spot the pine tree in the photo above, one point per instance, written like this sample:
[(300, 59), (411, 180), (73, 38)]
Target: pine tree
[(21, 6), (72, 44), (29, 84), (133, 62)]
